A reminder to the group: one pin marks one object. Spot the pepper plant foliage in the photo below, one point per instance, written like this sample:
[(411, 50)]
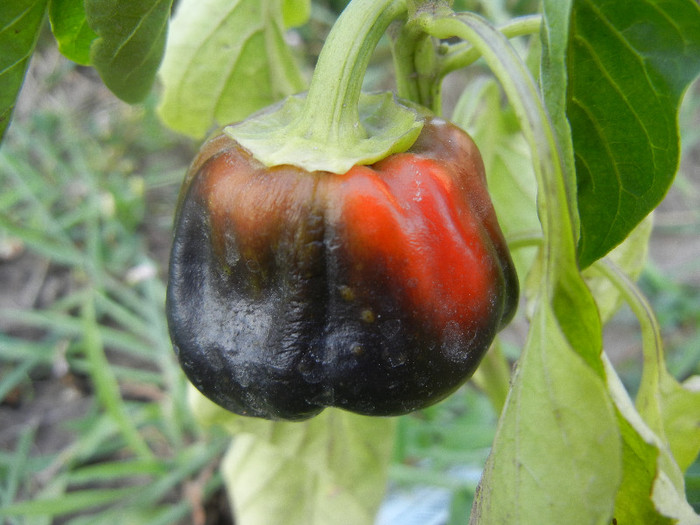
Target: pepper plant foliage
[(590, 123)]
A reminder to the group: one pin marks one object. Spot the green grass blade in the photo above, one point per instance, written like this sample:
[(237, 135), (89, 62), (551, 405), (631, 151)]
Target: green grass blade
[(116, 470), (68, 503), (17, 467), (106, 384)]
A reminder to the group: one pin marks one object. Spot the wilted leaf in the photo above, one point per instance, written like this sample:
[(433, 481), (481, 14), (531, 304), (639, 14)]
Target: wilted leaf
[(329, 469)]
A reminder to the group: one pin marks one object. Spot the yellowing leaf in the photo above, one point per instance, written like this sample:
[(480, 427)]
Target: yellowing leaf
[(681, 418), (667, 414), (329, 469), (224, 60), (542, 468), (652, 491)]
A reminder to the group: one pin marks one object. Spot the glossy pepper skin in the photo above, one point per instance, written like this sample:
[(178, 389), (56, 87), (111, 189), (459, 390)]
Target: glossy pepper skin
[(377, 291)]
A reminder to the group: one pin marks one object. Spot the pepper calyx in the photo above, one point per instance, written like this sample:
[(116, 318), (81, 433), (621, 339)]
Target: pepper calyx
[(387, 125)]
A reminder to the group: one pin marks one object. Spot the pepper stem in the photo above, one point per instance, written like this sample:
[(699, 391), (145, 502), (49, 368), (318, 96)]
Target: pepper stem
[(331, 110)]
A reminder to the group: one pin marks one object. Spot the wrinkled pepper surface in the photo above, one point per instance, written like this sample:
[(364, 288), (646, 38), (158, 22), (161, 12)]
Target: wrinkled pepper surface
[(377, 291)]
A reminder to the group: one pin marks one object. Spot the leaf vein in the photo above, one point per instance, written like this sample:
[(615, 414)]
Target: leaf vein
[(18, 18), (606, 146), (142, 20)]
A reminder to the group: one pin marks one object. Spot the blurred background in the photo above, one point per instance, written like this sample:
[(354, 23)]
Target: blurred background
[(94, 421)]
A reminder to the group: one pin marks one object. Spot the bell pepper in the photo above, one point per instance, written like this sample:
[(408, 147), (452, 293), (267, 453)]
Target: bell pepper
[(377, 290)]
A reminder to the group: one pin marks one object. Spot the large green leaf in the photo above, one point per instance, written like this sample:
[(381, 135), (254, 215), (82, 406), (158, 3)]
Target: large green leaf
[(225, 59), (629, 62), (69, 26), (132, 35), (20, 22), (330, 469)]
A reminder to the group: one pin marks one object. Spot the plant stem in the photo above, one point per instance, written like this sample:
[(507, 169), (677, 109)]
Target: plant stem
[(331, 109), (652, 342), (464, 54), (421, 67)]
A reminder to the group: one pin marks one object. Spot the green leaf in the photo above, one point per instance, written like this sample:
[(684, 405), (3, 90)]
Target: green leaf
[(553, 457), (639, 466), (296, 12), (71, 30), (20, 23), (131, 42), (225, 59), (329, 469), (629, 64)]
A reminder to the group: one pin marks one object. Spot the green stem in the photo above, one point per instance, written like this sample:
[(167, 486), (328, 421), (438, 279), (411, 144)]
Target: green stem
[(524, 239), (652, 341), (421, 67), (464, 54), (415, 81), (331, 109)]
